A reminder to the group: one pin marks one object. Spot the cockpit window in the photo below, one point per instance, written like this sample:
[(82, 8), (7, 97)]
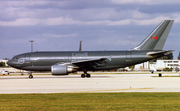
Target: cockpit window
[(15, 58)]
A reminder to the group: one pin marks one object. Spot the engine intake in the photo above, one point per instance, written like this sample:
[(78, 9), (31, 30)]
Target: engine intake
[(61, 69)]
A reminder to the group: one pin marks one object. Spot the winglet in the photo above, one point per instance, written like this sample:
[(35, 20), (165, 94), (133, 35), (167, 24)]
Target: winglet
[(157, 38)]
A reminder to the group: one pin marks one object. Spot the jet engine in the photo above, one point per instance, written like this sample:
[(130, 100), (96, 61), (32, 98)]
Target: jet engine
[(62, 69)]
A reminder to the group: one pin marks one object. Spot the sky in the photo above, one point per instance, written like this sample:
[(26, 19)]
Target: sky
[(59, 25)]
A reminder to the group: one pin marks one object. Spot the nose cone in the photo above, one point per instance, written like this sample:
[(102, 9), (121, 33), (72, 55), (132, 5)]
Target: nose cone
[(9, 63), (13, 63)]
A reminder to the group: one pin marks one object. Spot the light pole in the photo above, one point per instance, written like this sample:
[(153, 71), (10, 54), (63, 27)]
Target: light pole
[(31, 45)]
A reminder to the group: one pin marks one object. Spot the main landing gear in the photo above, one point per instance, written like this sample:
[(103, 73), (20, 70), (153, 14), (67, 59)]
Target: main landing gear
[(30, 75), (85, 74)]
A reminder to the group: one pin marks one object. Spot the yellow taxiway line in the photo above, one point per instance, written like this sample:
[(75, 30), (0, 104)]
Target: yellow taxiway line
[(113, 90)]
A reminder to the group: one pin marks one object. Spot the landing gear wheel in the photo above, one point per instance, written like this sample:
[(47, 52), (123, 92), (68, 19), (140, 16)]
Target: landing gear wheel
[(88, 75), (30, 76), (83, 75)]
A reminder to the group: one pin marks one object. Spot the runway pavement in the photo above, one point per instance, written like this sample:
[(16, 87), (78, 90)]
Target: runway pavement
[(97, 83)]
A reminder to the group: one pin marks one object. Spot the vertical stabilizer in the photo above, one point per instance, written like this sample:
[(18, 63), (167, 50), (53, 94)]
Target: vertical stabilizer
[(157, 38), (80, 46)]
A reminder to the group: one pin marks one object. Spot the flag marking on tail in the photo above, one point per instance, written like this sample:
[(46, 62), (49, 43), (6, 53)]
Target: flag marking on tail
[(153, 37)]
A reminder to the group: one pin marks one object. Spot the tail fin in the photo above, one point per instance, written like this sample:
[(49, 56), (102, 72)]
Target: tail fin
[(80, 46), (157, 38)]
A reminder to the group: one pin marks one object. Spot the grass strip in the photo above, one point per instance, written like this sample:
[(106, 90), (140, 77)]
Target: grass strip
[(90, 101)]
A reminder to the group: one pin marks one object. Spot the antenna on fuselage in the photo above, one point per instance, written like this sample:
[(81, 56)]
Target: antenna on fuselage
[(80, 46)]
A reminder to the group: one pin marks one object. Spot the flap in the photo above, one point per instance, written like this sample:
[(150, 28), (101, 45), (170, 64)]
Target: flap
[(88, 61)]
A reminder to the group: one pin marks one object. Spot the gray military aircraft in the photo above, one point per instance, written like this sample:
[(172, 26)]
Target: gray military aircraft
[(64, 62)]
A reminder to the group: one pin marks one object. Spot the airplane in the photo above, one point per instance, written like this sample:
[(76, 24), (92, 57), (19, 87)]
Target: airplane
[(65, 62)]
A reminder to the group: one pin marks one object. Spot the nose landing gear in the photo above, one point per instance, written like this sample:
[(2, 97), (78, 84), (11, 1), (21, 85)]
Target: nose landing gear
[(30, 75)]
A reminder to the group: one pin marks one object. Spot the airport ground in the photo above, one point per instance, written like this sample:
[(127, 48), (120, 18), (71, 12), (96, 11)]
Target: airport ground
[(107, 91), (106, 82)]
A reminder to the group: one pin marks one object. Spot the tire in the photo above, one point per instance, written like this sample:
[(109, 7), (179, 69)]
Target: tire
[(88, 75), (83, 75), (30, 76)]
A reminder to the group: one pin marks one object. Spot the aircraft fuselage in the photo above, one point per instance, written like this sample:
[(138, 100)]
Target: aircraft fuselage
[(42, 61)]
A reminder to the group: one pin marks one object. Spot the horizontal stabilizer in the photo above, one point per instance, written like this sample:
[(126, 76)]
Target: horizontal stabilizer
[(159, 53)]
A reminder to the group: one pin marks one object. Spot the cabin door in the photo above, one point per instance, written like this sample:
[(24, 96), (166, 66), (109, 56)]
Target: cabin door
[(70, 58), (128, 57)]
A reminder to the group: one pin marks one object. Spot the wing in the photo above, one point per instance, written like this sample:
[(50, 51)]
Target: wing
[(90, 62)]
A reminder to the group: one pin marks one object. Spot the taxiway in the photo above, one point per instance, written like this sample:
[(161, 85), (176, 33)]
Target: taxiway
[(95, 84)]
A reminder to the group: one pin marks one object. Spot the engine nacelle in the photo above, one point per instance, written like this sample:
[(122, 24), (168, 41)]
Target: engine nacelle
[(61, 69)]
